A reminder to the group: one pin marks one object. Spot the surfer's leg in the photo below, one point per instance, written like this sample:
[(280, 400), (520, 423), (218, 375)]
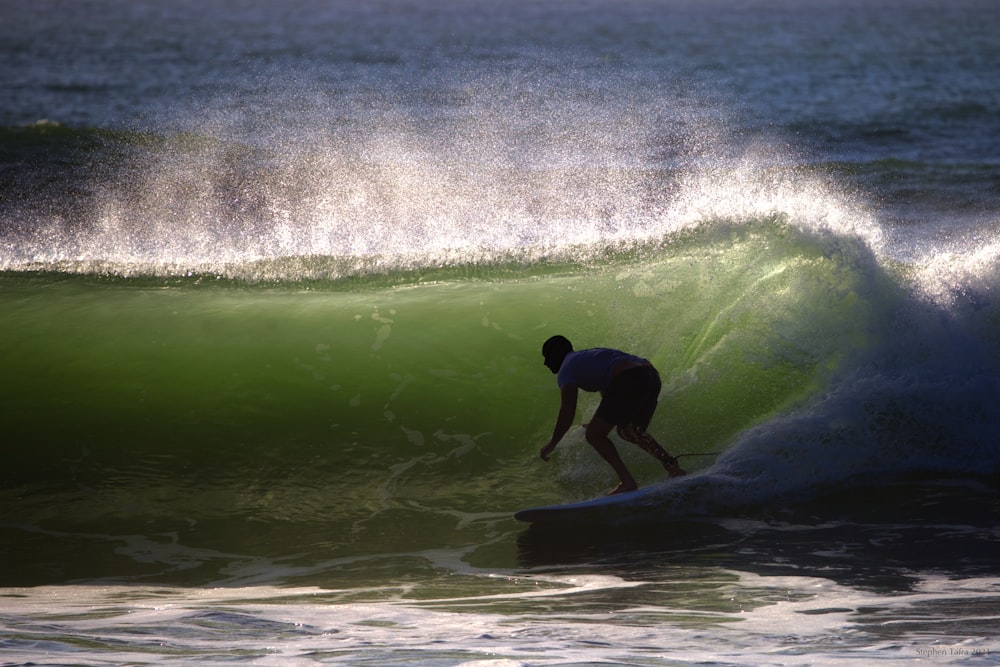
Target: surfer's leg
[(637, 436), (644, 392), (597, 435)]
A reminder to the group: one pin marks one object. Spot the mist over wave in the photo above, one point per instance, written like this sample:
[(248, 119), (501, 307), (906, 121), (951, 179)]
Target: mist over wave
[(517, 170)]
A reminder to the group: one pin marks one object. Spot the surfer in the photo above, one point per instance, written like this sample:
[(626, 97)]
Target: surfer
[(629, 387)]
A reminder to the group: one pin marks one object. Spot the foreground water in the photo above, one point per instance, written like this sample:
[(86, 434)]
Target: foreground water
[(274, 284)]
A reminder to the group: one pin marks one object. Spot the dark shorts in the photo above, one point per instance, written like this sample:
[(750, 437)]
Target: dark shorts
[(631, 398)]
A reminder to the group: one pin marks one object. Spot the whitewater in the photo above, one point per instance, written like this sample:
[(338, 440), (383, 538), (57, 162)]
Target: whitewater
[(274, 280)]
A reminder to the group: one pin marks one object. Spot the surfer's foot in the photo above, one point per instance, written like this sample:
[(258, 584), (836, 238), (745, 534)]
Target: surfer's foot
[(624, 488)]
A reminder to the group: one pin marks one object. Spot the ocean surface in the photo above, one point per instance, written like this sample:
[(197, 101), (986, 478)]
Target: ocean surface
[(275, 276)]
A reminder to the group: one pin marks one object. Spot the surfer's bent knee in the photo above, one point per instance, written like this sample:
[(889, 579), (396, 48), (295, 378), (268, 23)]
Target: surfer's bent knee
[(630, 432)]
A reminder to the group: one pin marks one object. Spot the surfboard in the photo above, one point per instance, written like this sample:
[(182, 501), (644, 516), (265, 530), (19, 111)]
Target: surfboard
[(587, 510)]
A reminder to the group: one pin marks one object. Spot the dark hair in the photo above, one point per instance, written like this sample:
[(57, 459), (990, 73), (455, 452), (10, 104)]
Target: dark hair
[(556, 345)]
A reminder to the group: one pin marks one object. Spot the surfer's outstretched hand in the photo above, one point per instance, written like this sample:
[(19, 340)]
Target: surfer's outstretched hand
[(546, 451)]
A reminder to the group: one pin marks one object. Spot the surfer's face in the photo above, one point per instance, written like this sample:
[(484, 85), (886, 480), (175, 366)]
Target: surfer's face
[(554, 362)]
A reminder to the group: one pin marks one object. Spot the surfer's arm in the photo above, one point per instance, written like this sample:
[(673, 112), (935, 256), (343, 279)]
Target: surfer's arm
[(567, 413)]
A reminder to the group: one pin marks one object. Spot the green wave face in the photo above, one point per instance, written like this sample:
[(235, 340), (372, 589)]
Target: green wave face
[(326, 404)]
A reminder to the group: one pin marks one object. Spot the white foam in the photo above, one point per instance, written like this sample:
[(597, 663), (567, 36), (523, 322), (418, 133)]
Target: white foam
[(965, 275), (736, 617), (519, 175)]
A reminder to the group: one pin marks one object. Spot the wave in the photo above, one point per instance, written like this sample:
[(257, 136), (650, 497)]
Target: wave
[(355, 346), (768, 336)]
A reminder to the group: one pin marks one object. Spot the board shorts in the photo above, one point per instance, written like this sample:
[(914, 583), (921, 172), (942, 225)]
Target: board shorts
[(631, 398)]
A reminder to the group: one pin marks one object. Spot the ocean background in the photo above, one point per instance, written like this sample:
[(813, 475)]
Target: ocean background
[(274, 279)]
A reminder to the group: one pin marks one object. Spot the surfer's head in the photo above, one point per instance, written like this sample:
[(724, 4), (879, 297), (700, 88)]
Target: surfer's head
[(555, 350)]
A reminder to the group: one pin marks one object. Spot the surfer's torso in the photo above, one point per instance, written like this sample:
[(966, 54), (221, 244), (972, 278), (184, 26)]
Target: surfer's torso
[(592, 370)]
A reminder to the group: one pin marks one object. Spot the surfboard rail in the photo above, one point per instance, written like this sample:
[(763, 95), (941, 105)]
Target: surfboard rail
[(617, 504)]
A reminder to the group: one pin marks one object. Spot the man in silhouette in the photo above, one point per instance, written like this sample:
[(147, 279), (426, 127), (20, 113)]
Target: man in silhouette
[(629, 387)]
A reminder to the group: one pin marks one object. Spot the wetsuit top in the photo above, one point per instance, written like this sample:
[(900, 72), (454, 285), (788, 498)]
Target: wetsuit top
[(591, 370)]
